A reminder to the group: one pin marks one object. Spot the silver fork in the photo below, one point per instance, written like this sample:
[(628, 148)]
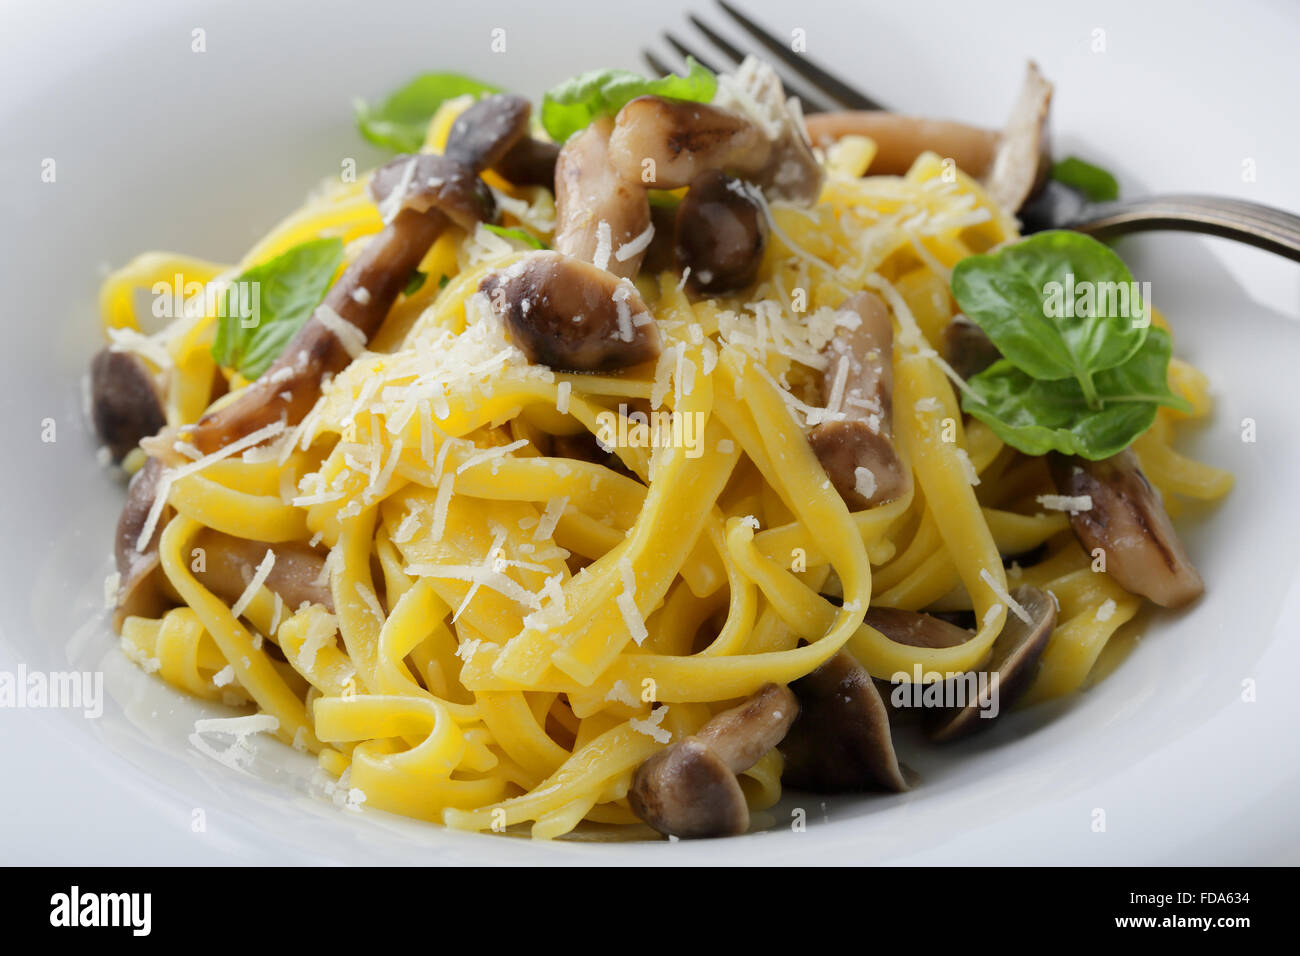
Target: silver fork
[(1057, 206)]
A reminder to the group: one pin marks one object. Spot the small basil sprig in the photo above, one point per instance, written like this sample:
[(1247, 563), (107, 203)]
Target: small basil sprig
[(573, 104), (1077, 376), (401, 121), (283, 293), (1093, 181), (518, 235)]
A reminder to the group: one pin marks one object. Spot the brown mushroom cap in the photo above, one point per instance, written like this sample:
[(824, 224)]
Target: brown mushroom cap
[(690, 789), (1128, 522), (1011, 667), (841, 741), (486, 132), (426, 181), (530, 162), (125, 403), (862, 439), (571, 316), (664, 144), (721, 232)]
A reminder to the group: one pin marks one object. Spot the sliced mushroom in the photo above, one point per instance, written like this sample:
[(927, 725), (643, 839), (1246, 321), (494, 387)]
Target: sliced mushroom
[(1023, 160), (664, 144), (140, 580), (357, 304), (862, 357), (841, 741), (1128, 522), (967, 347), (125, 403), (229, 564), (426, 181), (1012, 665), (597, 211), (570, 315), (791, 172), (690, 789), (721, 232)]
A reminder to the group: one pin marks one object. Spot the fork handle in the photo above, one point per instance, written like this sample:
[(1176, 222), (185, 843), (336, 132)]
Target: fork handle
[(1262, 226)]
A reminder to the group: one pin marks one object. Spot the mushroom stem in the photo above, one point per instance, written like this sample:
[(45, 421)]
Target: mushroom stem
[(857, 451), (363, 295), (597, 210)]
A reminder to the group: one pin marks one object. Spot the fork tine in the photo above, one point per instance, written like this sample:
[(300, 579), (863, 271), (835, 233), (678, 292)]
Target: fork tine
[(684, 51), (656, 65), (821, 80), (811, 104), (716, 38)]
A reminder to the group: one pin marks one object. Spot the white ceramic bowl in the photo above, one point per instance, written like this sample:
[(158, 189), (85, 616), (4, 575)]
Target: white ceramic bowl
[(157, 146)]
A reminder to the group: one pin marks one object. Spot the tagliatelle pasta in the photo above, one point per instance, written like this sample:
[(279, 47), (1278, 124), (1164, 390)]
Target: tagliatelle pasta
[(500, 633)]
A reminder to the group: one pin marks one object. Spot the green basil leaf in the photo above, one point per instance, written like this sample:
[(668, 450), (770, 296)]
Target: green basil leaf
[(1093, 181), (519, 235), (1038, 416), (283, 292), (401, 121), (1057, 304), (573, 104), (415, 283)]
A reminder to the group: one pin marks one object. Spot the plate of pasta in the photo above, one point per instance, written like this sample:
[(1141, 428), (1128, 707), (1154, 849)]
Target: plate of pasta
[(613, 460)]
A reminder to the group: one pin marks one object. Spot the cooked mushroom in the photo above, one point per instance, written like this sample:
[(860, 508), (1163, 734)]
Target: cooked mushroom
[(427, 180), (598, 213), (721, 232), (570, 315), (484, 134), (140, 586), (1023, 160), (357, 304), (967, 347), (229, 564), (530, 162), (690, 789), (857, 451), (915, 628), (664, 144), (841, 741), (1013, 163), (900, 139), (125, 405), (1128, 522), (1011, 666)]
